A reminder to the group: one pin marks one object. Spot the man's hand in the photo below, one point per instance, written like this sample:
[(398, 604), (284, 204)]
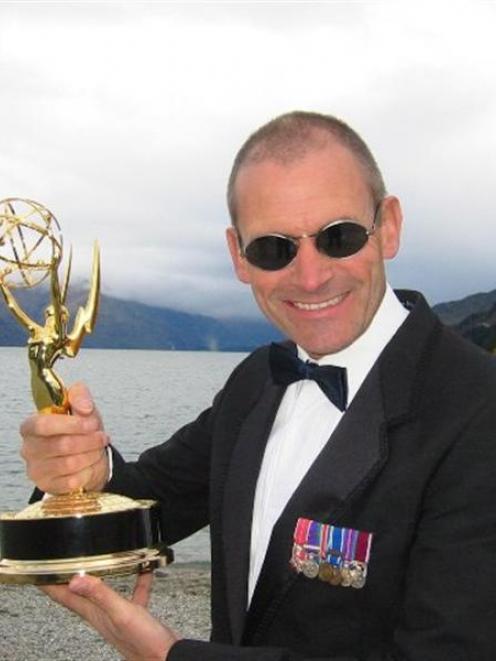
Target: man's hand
[(125, 623), (66, 452)]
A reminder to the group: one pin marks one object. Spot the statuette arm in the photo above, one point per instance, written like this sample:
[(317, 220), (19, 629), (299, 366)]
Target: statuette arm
[(86, 316), (17, 311)]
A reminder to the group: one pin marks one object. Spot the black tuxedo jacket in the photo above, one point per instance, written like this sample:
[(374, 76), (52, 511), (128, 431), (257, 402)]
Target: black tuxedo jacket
[(413, 460)]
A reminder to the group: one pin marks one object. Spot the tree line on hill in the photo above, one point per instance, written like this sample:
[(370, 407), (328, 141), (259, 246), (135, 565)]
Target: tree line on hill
[(131, 325)]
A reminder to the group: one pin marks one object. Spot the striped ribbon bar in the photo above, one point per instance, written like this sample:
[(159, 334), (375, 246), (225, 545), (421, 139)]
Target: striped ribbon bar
[(339, 556)]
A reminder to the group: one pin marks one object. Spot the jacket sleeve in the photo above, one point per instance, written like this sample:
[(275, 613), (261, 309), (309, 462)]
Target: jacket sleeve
[(175, 473), (193, 650)]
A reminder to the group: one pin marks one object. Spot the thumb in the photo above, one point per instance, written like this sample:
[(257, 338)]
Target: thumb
[(80, 399), (142, 589), (100, 595)]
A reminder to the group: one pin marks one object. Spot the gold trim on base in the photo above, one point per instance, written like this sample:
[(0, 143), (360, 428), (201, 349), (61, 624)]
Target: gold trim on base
[(50, 572)]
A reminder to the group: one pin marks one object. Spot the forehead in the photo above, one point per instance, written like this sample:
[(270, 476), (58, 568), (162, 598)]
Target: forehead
[(321, 185)]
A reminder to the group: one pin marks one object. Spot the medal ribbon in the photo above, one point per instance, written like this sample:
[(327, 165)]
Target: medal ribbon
[(334, 551), (351, 537), (314, 537), (364, 542), (301, 531), (323, 542)]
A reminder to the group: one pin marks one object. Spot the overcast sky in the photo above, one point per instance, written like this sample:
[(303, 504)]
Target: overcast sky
[(123, 119)]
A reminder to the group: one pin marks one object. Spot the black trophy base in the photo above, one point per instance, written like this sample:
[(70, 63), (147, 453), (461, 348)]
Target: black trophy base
[(46, 550)]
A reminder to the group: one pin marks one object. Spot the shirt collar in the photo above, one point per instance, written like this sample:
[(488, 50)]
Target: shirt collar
[(359, 357)]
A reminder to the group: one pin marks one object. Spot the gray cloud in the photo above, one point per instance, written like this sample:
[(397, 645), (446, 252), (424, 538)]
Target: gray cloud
[(124, 119)]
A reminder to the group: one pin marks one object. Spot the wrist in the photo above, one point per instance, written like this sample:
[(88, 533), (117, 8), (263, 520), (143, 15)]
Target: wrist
[(101, 473)]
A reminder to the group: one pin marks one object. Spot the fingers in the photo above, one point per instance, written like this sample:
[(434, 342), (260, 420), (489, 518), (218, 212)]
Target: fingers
[(46, 426), (81, 402), (80, 399), (98, 593), (50, 458), (92, 588), (63, 596), (64, 445), (93, 592), (90, 598), (125, 624), (88, 470), (66, 452), (142, 589)]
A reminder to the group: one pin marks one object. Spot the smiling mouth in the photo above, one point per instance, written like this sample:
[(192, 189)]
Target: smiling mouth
[(331, 302)]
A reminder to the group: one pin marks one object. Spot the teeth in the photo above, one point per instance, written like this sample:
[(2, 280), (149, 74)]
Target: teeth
[(318, 306)]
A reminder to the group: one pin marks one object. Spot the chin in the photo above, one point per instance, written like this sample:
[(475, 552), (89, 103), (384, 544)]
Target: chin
[(320, 347)]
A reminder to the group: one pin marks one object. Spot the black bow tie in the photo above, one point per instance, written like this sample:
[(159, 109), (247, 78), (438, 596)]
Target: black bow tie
[(287, 368)]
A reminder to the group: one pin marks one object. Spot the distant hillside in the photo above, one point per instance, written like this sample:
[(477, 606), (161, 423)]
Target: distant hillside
[(132, 325), (480, 328), (454, 312), (474, 317)]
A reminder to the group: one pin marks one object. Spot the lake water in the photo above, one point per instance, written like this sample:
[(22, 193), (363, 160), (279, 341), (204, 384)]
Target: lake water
[(144, 396)]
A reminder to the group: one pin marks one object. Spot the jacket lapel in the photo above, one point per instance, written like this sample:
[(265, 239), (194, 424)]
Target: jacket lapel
[(353, 456), (240, 489), (351, 459)]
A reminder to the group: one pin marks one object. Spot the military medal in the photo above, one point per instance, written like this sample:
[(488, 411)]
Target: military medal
[(312, 546), (358, 568), (334, 555), (350, 540), (305, 557), (337, 556), (357, 574), (298, 555), (310, 568), (356, 558), (345, 576), (325, 572)]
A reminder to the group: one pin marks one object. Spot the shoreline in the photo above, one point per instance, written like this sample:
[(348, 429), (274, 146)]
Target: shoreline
[(34, 627)]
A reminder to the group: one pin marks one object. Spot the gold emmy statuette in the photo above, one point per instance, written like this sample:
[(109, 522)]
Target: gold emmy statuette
[(76, 533)]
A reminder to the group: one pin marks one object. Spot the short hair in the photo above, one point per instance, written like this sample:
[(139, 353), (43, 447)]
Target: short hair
[(289, 137)]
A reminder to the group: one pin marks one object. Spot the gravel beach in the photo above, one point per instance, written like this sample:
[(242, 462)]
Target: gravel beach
[(34, 628)]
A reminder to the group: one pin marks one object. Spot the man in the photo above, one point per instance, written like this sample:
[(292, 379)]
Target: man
[(355, 523)]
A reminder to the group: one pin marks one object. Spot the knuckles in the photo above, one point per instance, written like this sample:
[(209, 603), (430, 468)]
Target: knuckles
[(46, 426), (30, 426), (62, 453), (65, 473), (75, 464)]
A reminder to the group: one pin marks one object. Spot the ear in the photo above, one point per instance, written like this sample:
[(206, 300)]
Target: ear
[(390, 226), (239, 262)]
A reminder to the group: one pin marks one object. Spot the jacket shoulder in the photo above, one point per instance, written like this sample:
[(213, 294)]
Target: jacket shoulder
[(251, 372)]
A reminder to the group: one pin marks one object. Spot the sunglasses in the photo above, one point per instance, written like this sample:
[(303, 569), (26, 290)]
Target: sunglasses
[(339, 239)]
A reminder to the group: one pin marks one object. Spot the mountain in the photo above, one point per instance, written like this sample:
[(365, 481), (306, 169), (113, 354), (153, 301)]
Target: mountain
[(131, 325), (454, 312), (474, 317), (480, 328), (125, 324)]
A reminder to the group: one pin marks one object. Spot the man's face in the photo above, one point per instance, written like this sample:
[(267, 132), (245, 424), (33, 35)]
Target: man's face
[(322, 304)]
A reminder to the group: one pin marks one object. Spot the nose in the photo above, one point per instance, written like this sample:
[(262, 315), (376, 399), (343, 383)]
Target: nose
[(311, 268)]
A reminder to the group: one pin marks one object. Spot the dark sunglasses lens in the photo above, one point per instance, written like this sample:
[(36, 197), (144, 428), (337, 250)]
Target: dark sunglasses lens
[(342, 239), (270, 252)]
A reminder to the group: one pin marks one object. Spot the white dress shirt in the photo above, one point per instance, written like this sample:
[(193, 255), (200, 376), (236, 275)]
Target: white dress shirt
[(307, 417)]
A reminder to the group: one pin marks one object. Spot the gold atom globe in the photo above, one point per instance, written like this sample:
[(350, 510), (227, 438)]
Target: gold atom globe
[(30, 242)]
